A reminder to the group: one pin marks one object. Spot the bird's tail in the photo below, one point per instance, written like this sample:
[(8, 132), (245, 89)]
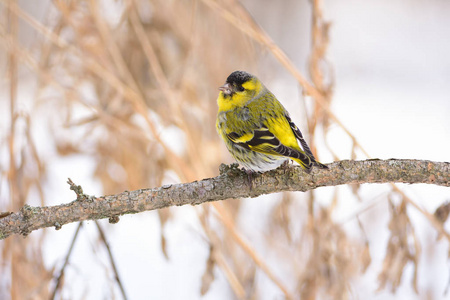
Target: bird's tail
[(320, 165), (305, 164), (308, 163)]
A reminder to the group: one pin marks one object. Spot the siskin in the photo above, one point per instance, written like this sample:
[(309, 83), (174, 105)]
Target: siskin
[(256, 128)]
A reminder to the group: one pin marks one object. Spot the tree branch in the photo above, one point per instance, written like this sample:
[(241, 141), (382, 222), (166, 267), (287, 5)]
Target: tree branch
[(231, 183)]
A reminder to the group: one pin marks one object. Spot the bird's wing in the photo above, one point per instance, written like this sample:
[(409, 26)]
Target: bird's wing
[(298, 134), (264, 141)]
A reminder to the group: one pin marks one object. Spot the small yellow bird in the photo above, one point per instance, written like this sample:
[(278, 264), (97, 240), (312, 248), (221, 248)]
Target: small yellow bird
[(256, 128)]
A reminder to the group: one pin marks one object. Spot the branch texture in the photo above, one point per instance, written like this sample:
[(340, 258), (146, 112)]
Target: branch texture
[(231, 183)]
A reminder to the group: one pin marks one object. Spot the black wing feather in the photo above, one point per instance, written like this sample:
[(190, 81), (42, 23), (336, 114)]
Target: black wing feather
[(298, 134), (264, 136)]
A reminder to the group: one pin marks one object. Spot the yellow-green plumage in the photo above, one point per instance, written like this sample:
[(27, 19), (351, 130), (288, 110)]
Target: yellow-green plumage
[(256, 128)]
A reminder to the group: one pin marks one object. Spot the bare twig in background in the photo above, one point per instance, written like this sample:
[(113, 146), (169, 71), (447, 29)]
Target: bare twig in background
[(66, 261), (112, 261), (218, 188)]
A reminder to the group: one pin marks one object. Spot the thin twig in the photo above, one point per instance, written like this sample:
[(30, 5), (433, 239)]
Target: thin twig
[(66, 261), (111, 259)]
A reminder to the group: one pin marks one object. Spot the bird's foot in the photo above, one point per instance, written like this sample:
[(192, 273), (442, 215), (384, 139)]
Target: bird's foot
[(285, 166), (249, 178)]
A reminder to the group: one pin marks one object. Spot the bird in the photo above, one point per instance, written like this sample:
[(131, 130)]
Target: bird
[(257, 130)]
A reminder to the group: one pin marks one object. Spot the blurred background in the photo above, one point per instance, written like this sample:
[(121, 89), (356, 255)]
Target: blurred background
[(121, 95)]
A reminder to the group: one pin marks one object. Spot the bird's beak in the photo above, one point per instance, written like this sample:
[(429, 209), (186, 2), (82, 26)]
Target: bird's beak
[(226, 89)]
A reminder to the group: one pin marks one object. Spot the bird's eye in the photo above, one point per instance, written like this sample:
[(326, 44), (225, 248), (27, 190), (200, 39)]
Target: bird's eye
[(241, 88)]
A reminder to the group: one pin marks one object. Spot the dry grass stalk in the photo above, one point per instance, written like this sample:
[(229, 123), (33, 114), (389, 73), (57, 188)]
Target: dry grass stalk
[(442, 212), (23, 176), (403, 248), (330, 260), (94, 56)]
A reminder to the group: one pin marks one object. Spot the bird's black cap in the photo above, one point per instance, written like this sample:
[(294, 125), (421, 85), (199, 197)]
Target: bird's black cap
[(239, 77)]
